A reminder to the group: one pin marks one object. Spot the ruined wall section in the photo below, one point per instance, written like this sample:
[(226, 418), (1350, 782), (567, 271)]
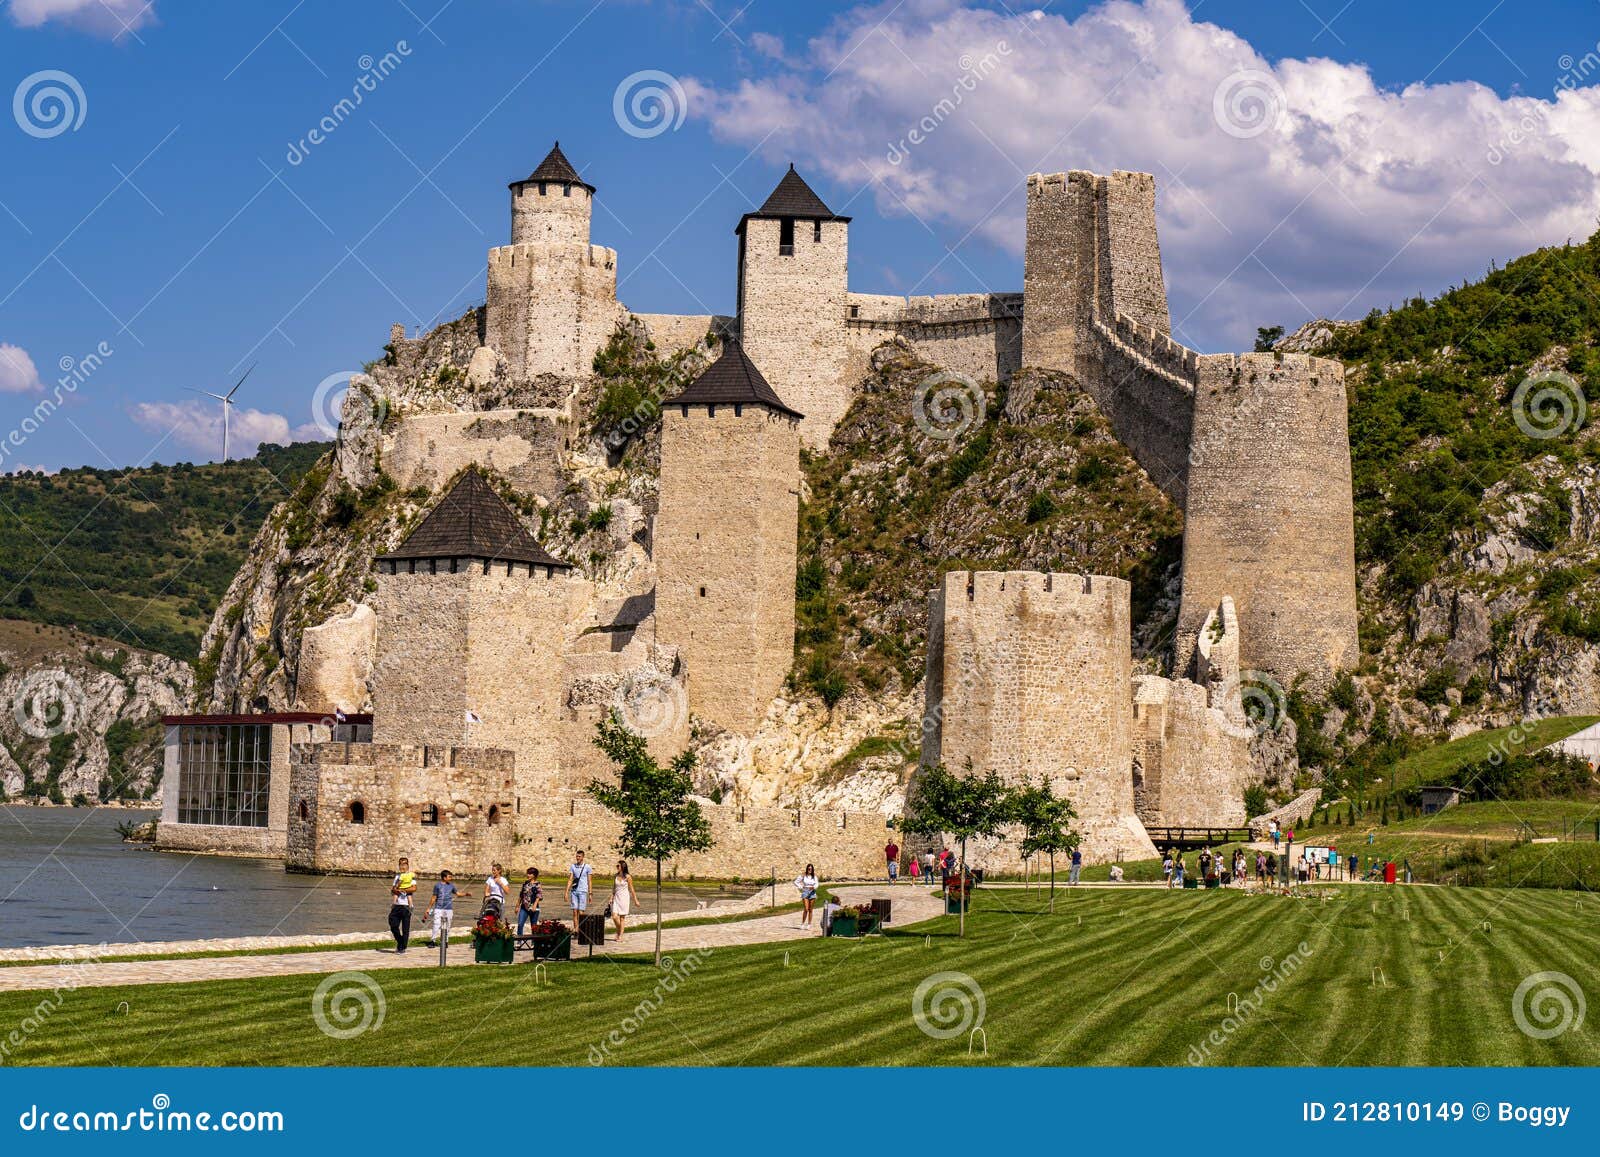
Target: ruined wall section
[(792, 318), (1032, 672), (1191, 762), (526, 447), (471, 792), (672, 333), (1270, 515), (725, 555)]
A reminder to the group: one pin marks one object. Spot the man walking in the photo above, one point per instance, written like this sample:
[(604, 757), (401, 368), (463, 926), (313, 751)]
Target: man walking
[(401, 890), (891, 855), (1077, 865), (442, 908), (578, 876)]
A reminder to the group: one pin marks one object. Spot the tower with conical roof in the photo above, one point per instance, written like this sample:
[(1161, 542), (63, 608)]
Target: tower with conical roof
[(724, 543), (793, 301), (471, 615), (552, 295)]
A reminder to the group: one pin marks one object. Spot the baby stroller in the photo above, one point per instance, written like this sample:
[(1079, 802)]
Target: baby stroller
[(492, 906)]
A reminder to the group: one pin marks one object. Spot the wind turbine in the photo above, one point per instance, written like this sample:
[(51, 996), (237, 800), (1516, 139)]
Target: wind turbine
[(227, 404)]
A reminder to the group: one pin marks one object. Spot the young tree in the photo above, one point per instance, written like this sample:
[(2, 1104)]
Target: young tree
[(659, 820), (965, 806), (1045, 818)]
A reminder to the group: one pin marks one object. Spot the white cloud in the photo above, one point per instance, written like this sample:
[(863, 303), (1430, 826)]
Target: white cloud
[(1350, 196), (111, 18), (198, 425), (18, 374)]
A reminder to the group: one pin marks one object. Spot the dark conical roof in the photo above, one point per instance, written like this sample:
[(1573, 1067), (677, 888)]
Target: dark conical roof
[(555, 167), (472, 521), (793, 198), (732, 380)]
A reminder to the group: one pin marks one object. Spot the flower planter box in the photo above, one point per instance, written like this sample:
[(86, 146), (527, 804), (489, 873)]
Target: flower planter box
[(867, 925), (954, 902), (493, 951), (551, 947), (843, 926)]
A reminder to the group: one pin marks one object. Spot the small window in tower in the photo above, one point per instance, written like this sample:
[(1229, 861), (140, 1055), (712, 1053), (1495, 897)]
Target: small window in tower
[(702, 592), (566, 188), (356, 812), (305, 811), (816, 230), (430, 815), (494, 814), (855, 311), (786, 237), (541, 188)]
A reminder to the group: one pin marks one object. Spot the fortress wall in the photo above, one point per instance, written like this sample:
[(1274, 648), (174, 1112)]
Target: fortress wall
[(978, 335), (673, 333), (1151, 412), (1270, 517), (1032, 673), (1191, 763), (725, 555), (749, 843), (1058, 269), (472, 788), (792, 319), (526, 446), (551, 306)]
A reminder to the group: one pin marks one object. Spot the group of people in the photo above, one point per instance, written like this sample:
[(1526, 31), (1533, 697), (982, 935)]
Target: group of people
[(496, 892)]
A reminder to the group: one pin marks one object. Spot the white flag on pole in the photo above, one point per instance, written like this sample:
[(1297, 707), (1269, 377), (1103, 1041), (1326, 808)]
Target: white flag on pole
[(474, 717)]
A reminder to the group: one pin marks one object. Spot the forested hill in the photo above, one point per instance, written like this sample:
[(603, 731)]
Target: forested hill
[(140, 556)]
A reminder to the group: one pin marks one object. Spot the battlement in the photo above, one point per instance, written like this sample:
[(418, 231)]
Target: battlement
[(1158, 348), (486, 759), (1066, 588), (1247, 368), (507, 257)]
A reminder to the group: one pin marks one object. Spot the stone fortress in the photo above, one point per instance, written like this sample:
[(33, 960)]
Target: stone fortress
[(487, 662)]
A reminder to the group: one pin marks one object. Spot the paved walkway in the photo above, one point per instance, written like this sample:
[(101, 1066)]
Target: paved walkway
[(911, 904)]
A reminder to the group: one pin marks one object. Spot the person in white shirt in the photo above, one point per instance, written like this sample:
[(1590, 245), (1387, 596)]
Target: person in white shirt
[(496, 887), (806, 884)]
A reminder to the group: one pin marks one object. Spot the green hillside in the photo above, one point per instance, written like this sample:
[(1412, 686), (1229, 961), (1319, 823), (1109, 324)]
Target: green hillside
[(140, 556)]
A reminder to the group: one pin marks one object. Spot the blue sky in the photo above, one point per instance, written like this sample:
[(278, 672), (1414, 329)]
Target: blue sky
[(1405, 146)]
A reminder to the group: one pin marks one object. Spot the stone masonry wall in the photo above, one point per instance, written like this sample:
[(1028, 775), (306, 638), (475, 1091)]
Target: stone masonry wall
[(490, 643), (1270, 516), (1191, 762), (672, 332), (749, 843), (792, 319), (550, 214), (725, 555), (525, 446), (472, 789), (1029, 676), (978, 335), (551, 306)]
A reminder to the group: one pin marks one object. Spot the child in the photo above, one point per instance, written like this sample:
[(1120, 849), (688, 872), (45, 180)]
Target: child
[(442, 908), (828, 909), (916, 870)]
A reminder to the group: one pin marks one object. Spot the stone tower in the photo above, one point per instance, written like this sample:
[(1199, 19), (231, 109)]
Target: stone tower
[(793, 301), (725, 539), (471, 618), (552, 295), (1029, 676)]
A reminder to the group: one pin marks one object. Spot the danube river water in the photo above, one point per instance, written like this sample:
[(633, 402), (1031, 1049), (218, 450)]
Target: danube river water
[(66, 877)]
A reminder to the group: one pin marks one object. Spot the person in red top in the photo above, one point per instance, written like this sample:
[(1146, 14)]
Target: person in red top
[(891, 855)]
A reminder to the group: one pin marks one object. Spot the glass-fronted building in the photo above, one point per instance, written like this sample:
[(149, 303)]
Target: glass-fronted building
[(225, 782)]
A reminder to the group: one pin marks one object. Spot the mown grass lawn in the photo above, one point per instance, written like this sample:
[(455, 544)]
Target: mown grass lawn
[(1136, 977)]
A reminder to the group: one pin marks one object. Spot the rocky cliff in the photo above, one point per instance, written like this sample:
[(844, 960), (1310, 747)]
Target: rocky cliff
[(81, 719)]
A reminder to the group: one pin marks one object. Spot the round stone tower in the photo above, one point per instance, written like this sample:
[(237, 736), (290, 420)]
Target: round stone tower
[(552, 205)]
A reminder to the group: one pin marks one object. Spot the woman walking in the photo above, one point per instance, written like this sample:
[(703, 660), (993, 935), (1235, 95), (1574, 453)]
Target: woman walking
[(623, 896), (806, 884)]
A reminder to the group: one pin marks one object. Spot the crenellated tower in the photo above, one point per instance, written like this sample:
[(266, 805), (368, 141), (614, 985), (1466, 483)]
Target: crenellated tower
[(552, 295)]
